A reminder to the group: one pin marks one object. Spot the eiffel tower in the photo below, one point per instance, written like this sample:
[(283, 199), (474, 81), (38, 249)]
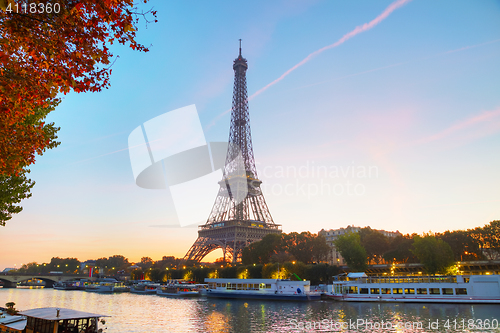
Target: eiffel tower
[(240, 215)]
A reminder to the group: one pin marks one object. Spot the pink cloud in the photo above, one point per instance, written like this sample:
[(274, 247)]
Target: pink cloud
[(462, 125)]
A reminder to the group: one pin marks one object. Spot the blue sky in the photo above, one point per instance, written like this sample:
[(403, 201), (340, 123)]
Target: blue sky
[(415, 99)]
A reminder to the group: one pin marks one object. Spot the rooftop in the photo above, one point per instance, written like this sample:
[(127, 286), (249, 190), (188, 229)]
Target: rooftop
[(51, 314)]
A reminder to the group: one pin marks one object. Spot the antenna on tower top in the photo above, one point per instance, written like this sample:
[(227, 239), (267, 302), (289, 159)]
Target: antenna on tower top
[(240, 46)]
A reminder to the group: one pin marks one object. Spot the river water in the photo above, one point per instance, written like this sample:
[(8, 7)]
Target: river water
[(150, 313)]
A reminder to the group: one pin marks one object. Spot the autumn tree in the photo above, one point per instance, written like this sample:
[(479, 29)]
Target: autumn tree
[(146, 263), (60, 46), (463, 245), (491, 238), (49, 51)]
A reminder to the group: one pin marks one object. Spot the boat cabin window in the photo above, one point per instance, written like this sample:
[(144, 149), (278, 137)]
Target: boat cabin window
[(447, 291), (409, 291), (223, 285), (434, 291), (386, 290), (363, 290), (461, 291), (268, 286), (397, 290), (239, 286), (466, 280), (374, 291), (218, 285), (40, 325), (211, 285), (422, 291), (353, 290)]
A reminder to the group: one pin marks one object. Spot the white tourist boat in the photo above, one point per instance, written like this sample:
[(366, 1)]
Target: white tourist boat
[(432, 289), (178, 289), (270, 289)]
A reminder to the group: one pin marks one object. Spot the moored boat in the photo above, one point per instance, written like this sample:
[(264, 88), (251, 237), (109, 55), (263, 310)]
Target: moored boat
[(107, 286), (44, 320), (269, 289), (178, 290), (66, 285), (146, 288), (432, 289)]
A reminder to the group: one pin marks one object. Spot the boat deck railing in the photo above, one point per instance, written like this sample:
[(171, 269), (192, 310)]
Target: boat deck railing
[(405, 279)]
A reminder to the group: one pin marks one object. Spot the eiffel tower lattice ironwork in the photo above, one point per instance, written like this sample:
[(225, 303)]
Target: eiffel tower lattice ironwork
[(240, 214)]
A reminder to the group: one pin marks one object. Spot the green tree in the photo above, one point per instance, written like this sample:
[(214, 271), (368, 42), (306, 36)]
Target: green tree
[(30, 268), (260, 252), (118, 262), (463, 245), (11, 310), (16, 187), (375, 244), (435, 254), (66, 265), (155, 274), (399, 250), (349, 246), (255, 271), (13, 189)]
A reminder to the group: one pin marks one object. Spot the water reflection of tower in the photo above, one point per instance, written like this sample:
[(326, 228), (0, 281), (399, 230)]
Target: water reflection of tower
[(240, 214)]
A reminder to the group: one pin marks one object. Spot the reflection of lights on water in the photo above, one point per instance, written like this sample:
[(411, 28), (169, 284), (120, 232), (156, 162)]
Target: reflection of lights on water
[(245, 305), (217, 322)]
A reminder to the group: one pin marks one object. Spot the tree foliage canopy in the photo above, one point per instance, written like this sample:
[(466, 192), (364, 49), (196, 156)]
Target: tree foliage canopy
[(46, 53), (304, 247), (435, 254), (13, 189), (349, 246), (16, 187)]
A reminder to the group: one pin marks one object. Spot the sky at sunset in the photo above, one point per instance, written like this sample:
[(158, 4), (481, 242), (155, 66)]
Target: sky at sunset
[(366, 113)]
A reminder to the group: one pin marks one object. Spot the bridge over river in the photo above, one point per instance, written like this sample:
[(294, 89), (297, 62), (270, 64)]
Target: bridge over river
[(11, 280)]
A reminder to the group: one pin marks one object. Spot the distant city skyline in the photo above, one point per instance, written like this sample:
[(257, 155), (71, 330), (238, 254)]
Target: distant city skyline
[(383, 114)]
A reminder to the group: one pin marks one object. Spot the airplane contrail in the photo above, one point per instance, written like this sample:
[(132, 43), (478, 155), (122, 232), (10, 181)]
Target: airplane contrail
[(359, 29)]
